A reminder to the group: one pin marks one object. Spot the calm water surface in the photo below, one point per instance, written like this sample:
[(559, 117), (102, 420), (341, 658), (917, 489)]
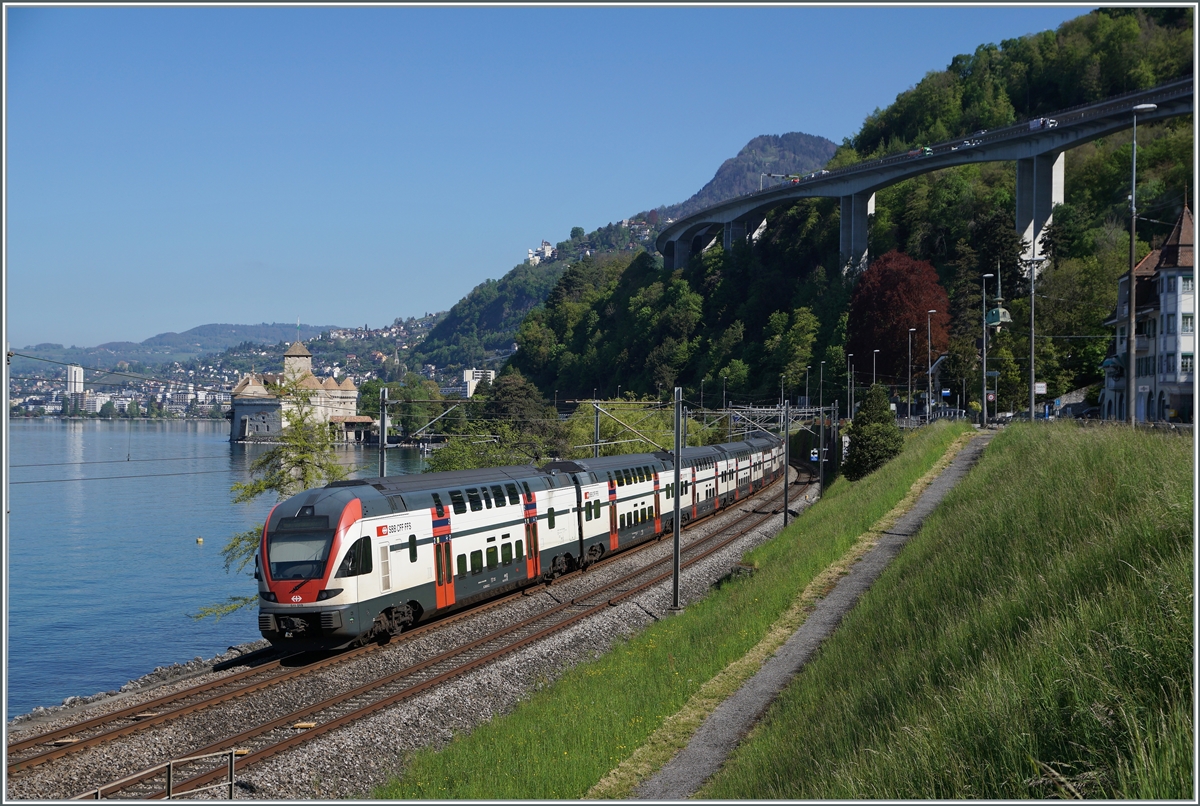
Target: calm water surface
[(102, 562)]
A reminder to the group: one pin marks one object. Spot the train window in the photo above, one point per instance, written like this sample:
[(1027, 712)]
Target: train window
[(456, 498), (620, 479), (550, 518), (629, 479), (525, 486), (498, 494), (473, 497), (644, 515), (357, 560), (520, 549), (492, 557), (476, 562), (587, 510), (506, 553), (487, 499), (514, 497), (622, 524), (462, 565), (437, 504), (412, 548)]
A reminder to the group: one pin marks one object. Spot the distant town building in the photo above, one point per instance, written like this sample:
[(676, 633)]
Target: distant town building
[(74, 379), (471, 379), (544, 252), (1165, 317), (258, 412)]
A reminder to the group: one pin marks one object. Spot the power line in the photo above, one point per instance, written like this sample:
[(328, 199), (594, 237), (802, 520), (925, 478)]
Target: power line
[(105, 478), (121, 461)]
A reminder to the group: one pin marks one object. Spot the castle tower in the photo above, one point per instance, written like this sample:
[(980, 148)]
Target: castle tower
[(297, 362)]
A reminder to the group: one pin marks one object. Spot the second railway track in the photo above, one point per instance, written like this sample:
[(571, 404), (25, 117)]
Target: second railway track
[(270, 734)]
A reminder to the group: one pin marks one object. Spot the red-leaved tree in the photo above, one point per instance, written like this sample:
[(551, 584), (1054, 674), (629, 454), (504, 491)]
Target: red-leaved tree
[(893, 295)]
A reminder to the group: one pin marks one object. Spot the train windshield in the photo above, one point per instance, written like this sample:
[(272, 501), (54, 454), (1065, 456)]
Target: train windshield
[(299, 551)]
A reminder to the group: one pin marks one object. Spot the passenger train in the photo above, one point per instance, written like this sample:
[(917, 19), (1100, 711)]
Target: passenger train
[(360, 560)]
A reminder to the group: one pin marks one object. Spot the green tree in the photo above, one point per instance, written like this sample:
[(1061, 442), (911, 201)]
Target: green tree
[(133, 409), (108, 410), (303, 458), (874, 436)]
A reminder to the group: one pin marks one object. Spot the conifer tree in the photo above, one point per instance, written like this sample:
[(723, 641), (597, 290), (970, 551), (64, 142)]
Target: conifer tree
[(874, 436)]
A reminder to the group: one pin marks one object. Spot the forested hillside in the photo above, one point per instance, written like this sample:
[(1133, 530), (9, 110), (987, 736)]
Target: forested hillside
[(485, 320), (742, 320)]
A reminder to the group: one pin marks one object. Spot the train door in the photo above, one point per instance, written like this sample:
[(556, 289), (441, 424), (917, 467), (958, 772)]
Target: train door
[(533, 562), (443, 554), (612, 513), (658, 530)]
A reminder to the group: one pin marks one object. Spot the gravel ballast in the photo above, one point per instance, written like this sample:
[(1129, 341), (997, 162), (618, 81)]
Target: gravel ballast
[(353, 760)]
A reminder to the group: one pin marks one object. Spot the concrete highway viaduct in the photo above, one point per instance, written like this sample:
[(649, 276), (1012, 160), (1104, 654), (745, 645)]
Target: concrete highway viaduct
[(1037, 146)]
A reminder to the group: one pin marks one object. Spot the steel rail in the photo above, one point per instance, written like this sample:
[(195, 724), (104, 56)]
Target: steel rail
[(305, 715)]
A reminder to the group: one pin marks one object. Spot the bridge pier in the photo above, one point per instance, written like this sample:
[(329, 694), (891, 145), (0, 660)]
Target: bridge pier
[(855, 211), (1039, 189)]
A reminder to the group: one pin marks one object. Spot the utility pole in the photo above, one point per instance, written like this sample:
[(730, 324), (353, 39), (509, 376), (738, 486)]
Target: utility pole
[(821, 438), (678, 462), (383, 398), (596, 441), (787, 464)]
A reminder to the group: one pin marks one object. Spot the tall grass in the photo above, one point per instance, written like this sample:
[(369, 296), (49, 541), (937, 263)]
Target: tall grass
[(1034, 640), (564, 738)]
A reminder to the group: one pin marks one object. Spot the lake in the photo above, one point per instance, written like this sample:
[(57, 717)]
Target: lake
[(102, 563)]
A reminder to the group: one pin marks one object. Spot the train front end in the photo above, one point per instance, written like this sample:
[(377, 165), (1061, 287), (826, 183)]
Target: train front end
[(303, 603)]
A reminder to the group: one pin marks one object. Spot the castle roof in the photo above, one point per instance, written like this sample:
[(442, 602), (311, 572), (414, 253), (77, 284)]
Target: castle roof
[(348, 385), (297, 350), (329, 383)]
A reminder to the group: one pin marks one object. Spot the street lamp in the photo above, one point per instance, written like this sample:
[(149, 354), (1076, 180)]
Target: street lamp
[(850, 385), (1130, 375), (874, 355), (1033, 265), (929, 365), (908, 413), (983, 400)]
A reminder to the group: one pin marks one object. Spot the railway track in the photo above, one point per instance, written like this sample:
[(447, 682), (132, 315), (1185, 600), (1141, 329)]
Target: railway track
[(275, 736)]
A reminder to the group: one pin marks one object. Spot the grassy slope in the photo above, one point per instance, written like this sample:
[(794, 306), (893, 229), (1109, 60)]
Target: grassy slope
[(1034, 640), (563, 739)]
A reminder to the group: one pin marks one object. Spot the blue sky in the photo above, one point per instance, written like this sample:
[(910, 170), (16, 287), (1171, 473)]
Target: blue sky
[(178, 166)]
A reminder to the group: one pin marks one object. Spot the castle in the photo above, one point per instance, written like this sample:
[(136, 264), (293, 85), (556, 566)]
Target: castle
[(257, 413)]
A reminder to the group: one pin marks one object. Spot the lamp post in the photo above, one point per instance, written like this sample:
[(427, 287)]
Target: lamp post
[(983, 421), (929, 365), (1033, 266), (874, 355), (850, 385), (807, 404), (908, 413), (1130, 345), (821, 440)]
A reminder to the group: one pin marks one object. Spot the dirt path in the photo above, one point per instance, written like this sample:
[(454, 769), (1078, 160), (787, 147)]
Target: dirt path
[(732, 719)]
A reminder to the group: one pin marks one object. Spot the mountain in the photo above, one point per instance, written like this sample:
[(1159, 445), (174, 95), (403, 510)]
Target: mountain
[(791, 153), (483, 325), (170, 347)]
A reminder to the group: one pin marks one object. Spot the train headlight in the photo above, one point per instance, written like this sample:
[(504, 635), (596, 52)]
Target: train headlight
[(328, 594), (268, 596)]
